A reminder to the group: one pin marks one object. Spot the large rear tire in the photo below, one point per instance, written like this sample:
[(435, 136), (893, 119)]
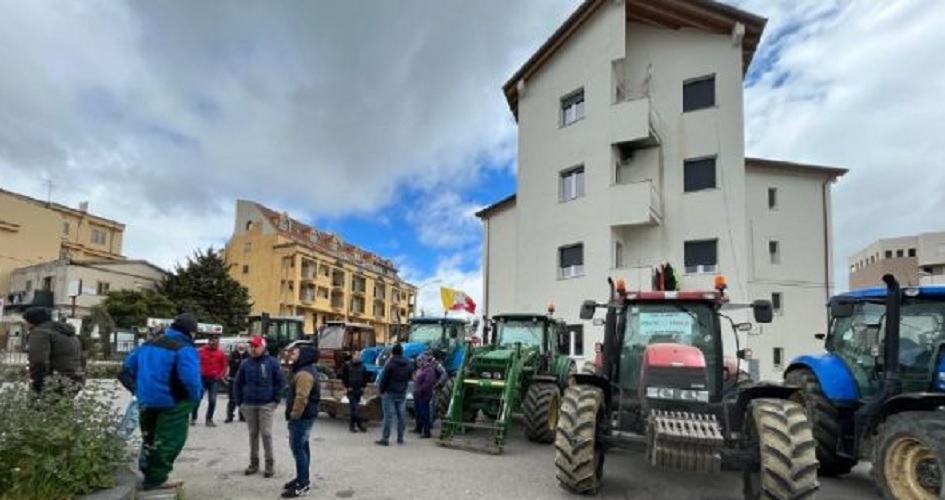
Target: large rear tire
[(909, 456), (782, 434), (443, 396), (540, 410), (826, 421), (579, 452)]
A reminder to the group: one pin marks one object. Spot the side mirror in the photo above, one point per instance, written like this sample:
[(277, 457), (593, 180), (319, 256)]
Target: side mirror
[(743, 354), (744, 327), (820, 336), (763, 311), (841, 308), (587, 309)]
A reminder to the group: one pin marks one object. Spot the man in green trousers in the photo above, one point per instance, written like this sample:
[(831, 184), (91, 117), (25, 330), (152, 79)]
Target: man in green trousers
[(164, 374)]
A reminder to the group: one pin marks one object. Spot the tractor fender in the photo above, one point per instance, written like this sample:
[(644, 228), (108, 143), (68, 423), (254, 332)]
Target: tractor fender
[(834, 376), (595, 380), (562, 369), (916, 401), (552, 379), (747, 393)]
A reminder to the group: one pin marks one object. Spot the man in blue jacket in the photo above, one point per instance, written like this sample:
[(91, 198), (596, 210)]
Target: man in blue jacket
[(258, 389), (166, 382), (393, 387)]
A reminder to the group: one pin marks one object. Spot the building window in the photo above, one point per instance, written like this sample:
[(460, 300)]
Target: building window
[(912, 252), (618, 255), (888, 254), (322, 292), (699, 174), (774, 252), (772, 198), (701, 256), (572, 107), (103, 288), (900, 253), (65, 227), (699, 93), (576, 334), (778, 356), (47, 284), (99, 237), (29, 286), (245, 268), (247, 247), (571, 261), (571, 184), (777, 302)]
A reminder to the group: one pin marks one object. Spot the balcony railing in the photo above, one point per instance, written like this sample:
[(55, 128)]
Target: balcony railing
[(637, 203)]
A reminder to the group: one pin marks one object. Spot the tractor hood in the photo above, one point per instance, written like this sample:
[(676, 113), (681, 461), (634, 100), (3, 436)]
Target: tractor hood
[(411, 351), (497, 355)]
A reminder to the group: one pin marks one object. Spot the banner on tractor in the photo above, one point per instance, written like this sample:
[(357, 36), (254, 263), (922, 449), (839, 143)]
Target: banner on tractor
[(455, 300)]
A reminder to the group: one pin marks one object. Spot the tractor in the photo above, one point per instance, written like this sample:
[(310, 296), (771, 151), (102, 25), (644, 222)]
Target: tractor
[(279, 331), (664, 388), (337, 340), (524, 369), (878, 393)]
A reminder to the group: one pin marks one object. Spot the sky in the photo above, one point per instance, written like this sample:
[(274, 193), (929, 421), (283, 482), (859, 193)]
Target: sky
[(385, 122)]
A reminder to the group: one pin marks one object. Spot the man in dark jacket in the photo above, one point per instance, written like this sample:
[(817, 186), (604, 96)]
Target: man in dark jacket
[(354, 378), (393, 383), (54, 350), (236, 359), (166, 381), (301, 409), (259, 385)]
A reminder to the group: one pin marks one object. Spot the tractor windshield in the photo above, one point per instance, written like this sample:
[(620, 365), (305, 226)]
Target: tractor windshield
[(426, 333), (331, 337), (527, 332), (689, 323)]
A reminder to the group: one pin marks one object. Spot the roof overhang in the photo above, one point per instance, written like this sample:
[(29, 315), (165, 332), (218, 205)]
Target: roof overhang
[(496, 207), (706, 15), (799, 168)]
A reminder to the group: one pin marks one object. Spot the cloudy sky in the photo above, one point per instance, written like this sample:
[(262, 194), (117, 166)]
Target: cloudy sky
[(385, 121)]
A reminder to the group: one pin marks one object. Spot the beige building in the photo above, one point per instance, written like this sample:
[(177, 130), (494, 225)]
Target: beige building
[(87, 281), (34, 231), (291, 268), (914, 260)]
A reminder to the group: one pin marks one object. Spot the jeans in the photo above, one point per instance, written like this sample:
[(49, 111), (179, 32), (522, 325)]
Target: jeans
[(354, 399), (231, 405), (422, 408), (210, 389), (394, 404), (299, 431)]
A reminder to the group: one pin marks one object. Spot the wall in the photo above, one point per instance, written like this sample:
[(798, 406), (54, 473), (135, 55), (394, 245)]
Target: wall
[(502, 230), (28, 235)]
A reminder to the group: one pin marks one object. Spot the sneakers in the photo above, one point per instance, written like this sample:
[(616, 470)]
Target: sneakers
[(425, 435), (361, 427), (210, 423), (229, 420), (296, 491), (382, 442), (252, 469), (270, 469), (291, 484)]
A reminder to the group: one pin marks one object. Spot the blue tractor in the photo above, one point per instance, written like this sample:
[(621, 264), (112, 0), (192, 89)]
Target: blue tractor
[(878, 393), (444, 337)]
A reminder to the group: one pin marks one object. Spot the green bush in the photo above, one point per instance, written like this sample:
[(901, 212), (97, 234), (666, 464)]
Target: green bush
[(56, 447), (102, 371)]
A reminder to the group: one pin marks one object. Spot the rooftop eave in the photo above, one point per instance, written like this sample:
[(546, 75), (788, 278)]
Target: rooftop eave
[(803, 168)]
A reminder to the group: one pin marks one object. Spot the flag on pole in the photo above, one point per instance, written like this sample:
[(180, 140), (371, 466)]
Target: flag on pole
[(455, 300)]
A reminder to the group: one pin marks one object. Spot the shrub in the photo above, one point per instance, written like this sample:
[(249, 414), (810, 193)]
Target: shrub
[(56, 447)]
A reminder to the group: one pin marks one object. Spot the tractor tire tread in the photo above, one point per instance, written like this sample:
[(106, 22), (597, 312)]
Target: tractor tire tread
[(926, 426), (825, 419), (537, 411), (576, 458), (787, 450)]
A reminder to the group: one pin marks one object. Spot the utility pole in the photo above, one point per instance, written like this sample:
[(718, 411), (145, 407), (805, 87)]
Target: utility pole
[(49, 188)]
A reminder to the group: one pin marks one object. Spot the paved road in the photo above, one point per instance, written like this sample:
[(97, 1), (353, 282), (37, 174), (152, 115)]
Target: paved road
[(350, 466)]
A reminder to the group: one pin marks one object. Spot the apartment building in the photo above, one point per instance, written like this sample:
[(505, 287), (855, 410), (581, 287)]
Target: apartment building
[(914, 260), (631, 154), (291, 268), (34, 231), (74, 287)]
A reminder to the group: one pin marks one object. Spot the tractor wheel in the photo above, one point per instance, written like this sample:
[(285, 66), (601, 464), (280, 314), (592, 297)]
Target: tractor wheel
[(442, 398), (909, 456), (826, 420), (782, 434), (540, 410), (579, 451)]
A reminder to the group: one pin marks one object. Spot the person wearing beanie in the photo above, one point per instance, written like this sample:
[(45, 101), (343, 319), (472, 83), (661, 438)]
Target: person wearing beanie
[(53, 351), (392, 384), (167, 384)]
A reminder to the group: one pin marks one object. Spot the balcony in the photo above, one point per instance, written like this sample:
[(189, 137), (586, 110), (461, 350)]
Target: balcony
[(633, 122), (635, 204)]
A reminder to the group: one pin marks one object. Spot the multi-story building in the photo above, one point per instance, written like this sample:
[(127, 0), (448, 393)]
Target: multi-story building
[(631, 154), (914, 260), (291, 268), (73, 287), (34, 231)]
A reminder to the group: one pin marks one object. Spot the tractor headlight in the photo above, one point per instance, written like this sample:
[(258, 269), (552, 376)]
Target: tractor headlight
[(661, 392), (680, 394), (486, 375), (497, 375), (691, 395)]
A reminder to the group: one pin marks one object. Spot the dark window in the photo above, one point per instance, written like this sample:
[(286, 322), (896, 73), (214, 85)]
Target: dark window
[(772, 198), (912, 252), (900, 253), (572, 107), (774, 252), (888, 254), (577, 333), (571, 261), (776, 301), (701, 253), (47, 284), (245, 268), (699, 174), (778, 356), (699, 94)]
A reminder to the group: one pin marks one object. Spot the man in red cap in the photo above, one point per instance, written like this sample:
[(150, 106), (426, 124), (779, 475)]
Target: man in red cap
[(259, 384)]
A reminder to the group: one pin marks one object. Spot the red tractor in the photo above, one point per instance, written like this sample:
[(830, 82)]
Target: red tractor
[(666, 387)]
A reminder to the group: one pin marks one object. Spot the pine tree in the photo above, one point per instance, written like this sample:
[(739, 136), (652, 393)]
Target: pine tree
[(131, 308), (204, 287)]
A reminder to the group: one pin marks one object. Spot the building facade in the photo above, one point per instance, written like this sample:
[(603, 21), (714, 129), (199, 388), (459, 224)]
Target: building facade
[(631, 155), (291, 268), (34, 231), (914, 260)]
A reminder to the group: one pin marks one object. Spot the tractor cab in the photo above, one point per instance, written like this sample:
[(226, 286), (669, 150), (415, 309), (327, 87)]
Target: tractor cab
[(529, 330), (279, 331), (337, 340)]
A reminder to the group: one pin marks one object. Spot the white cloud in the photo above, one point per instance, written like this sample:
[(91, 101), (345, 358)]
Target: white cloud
[(450, 273), (446, 221)]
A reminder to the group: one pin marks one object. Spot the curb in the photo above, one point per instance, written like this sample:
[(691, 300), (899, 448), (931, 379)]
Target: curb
[(124, 490)]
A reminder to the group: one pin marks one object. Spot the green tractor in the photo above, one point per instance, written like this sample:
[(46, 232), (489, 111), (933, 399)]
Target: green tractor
[(523, 370)]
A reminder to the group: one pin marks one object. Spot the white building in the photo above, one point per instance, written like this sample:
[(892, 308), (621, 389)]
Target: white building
[(631, 155), (914, 260)]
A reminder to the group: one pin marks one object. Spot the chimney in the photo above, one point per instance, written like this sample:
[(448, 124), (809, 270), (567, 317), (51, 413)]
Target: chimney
[(84, 206)]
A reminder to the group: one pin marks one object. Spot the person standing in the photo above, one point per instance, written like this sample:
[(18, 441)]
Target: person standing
[(354, 379), (236, 359), (259, 385), (393, 383), (167, 385), (53, 351), (423, 394), (213, 366), (301, 410)]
